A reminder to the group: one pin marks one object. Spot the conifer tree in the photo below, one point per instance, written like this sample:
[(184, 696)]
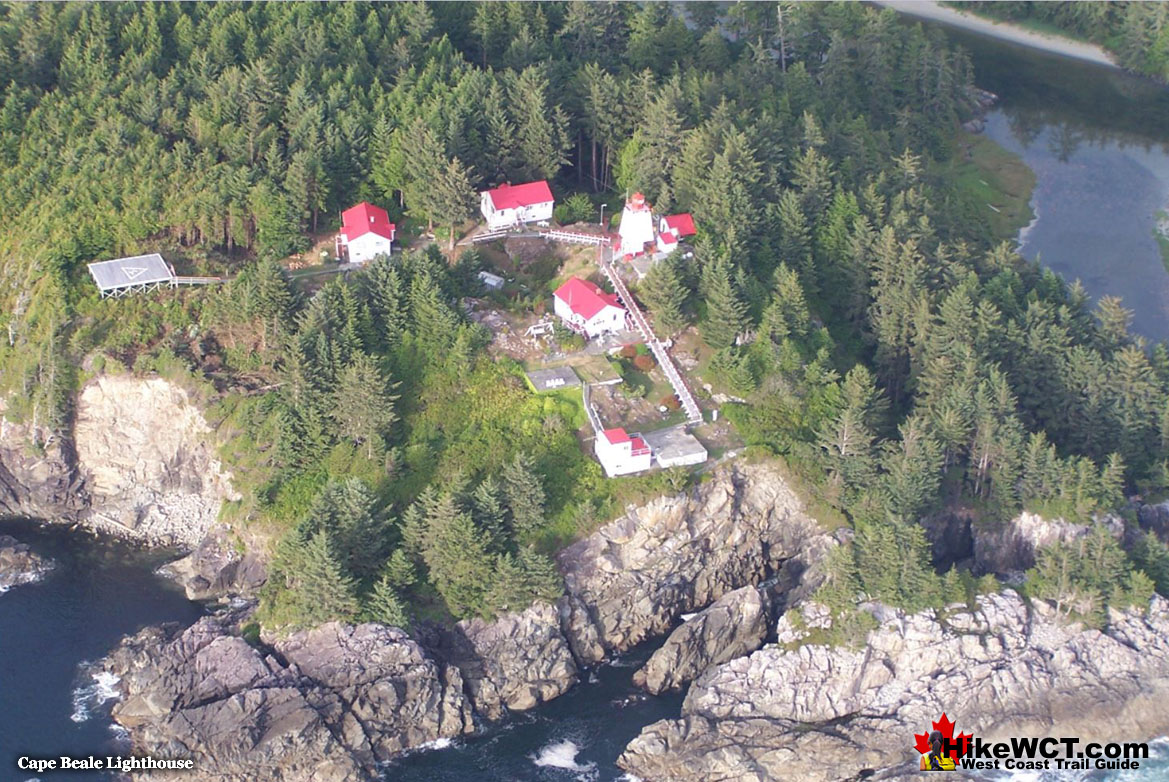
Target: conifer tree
[(489, 512), (666, 294), (385, 605), (324, 590), (363, 406), (524, 493), (399, 571), (726, 314)]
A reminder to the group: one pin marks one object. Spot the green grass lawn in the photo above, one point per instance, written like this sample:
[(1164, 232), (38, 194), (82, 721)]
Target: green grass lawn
[(996, 180)]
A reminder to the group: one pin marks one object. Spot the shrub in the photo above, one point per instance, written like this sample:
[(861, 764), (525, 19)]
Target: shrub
[(643, 362), (671, 401), (628, 351)]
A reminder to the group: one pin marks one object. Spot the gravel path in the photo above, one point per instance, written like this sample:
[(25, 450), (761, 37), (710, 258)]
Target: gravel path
[(927, 9)]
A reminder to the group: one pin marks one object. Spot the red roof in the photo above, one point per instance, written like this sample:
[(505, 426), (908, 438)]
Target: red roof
[(512, 196), (584, 298), (366, 218), (637, 446), (616, 436), (682, 223), (668, 238)]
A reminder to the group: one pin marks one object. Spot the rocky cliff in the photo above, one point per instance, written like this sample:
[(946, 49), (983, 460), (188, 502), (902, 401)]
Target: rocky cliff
[(734, 625), (139, 463), (38, 473), (326, 705), (145, 452), (674, 555), (820, 713)]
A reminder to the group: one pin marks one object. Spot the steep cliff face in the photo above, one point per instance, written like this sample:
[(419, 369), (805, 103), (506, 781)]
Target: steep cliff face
[(820, 713), (1012, 546), (675, 555), (37, 481), (146, 455)]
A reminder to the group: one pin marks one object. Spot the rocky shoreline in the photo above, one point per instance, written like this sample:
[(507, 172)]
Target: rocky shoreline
[(319, 699), (19, 564), (1006, 668), (713, 572)]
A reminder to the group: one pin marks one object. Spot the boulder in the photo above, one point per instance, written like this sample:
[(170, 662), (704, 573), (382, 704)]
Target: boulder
[(217, 568), (514, 663), (326, 705), (819, 713), (675, 555), (19, 564), (734, 625)]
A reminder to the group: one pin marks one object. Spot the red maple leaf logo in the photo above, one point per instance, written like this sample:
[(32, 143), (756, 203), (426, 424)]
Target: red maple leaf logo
[(946, 726)]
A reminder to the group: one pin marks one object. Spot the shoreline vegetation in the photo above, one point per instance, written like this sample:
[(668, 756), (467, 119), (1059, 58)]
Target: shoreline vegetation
[(1046, 39), (988, 173)]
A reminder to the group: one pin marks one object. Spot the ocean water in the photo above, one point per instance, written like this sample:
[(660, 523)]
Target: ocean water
[(51, 700)]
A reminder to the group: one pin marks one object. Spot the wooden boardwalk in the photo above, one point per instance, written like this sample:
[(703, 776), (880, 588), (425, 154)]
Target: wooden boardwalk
[(689, 404)]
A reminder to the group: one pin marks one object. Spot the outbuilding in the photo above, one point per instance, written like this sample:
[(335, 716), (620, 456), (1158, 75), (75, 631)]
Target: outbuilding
[(621, 453), (587, 309), (366, 232), (510, 206)]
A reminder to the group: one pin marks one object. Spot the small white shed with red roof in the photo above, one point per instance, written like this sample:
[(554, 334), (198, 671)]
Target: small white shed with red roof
[(587, 309), (671, 228), (366, 232), (621, 453), (513, 205)]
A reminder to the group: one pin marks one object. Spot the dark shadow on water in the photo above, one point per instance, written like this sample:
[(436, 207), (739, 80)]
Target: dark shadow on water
[(100, 591)]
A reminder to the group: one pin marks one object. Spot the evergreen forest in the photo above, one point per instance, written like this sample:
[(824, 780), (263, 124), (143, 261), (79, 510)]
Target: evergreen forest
[(893, 352)]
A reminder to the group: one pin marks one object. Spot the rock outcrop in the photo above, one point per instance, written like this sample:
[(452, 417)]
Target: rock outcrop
[(217, 568), (38, 475), (820, 713), (326, 705), (514, 663), (144, 450), (19, 564), (675, 555), (734, 625), (1011, 547)]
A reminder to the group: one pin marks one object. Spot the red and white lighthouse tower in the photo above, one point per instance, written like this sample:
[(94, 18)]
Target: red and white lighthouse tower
[(637, 226)]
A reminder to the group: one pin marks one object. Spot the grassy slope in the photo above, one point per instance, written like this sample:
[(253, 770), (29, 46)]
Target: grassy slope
[(990, 175)]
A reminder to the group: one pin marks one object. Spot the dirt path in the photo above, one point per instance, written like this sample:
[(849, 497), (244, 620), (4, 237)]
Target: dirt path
[(927, 9)]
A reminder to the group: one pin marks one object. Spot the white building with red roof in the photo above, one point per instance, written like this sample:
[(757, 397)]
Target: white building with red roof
[(513, 205), (637, 227), (621, 453), (587, 309), (671, 228), (366, 232)]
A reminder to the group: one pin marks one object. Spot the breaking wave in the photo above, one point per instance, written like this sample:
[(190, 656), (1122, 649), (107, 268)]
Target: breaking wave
[(102, 688)]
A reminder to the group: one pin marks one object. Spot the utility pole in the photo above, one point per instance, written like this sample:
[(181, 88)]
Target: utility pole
[(603, 215)]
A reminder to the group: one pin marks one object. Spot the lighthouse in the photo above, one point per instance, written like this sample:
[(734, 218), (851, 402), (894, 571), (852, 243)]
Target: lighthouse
[(637, 226)]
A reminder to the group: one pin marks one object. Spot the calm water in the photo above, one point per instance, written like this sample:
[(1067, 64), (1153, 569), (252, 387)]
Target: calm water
[(1098, 142)]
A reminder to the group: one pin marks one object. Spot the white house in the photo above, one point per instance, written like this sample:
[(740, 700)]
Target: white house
[(366, 232), (587, 309), (513, 205), (621, 453), (671, 228), (637, 227)]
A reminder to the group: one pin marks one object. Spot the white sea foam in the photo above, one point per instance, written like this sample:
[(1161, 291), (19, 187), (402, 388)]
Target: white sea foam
[(441, 743), (562, 755), (103, 687)]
